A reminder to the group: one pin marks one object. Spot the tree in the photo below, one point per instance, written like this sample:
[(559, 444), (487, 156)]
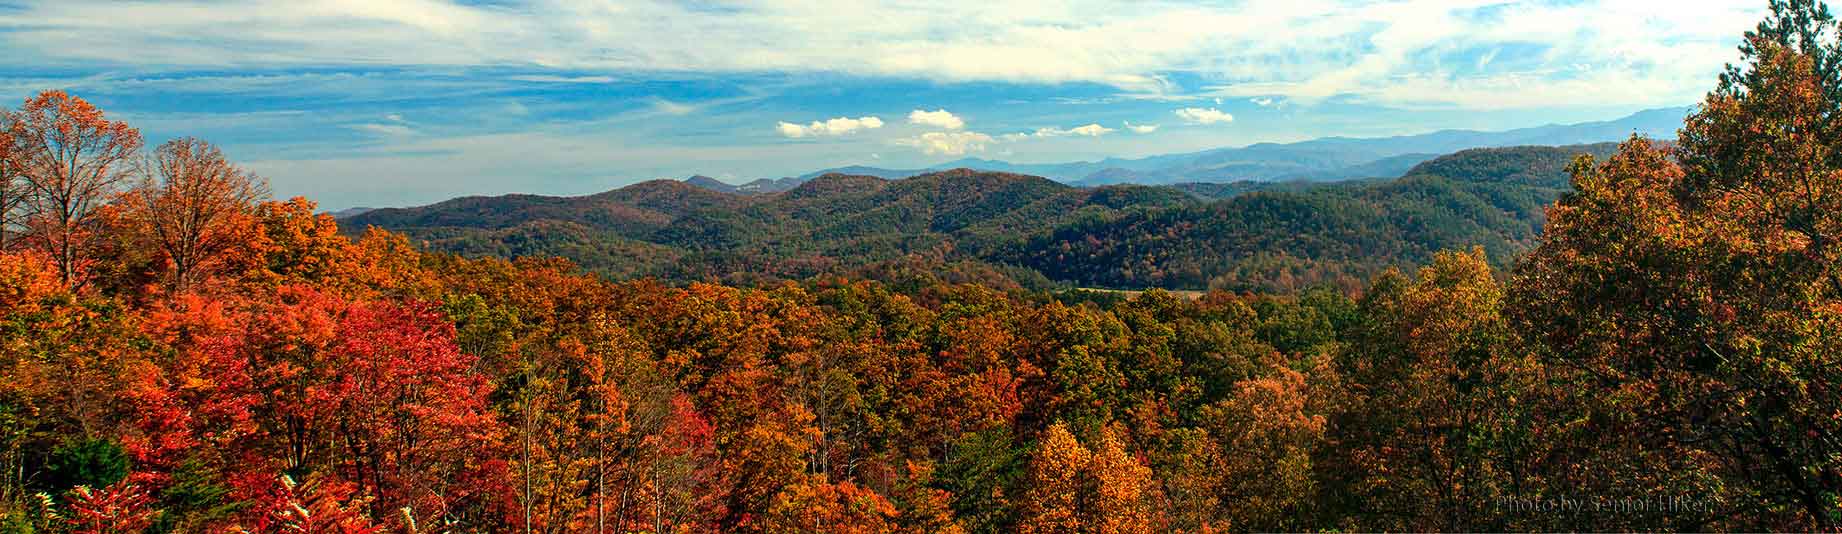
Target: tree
[(318, 506), (1051, 502), (1071, 488), (121, 508), (72, 159), (12, 186), (1124, 497), (195, 207), (1264, 435), (814, 505), (400, 414), (301, 246), (69, 362), (84, 462), (1702, 286), (1433, 425)]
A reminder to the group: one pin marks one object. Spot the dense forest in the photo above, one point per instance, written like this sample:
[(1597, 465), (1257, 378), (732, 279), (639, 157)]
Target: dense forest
[(180, 353), (1266, 236)]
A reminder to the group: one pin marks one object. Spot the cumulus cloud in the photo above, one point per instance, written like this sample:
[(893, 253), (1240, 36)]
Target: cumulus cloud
[(949, 143), (1141, 128), (833, 127), (1259, 101), (939, 118), (1204, 116)]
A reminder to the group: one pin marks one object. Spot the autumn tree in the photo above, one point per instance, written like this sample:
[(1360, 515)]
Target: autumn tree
[(814, 505), (196, 207), (1072, 488), (121, 508), (72, 159), (371, 393), (1431, 426), (69, 362), (1051, 503), (1124, 498), (12, 185), (1702, 285), (302, 246), (1262, 439), (318, 506)]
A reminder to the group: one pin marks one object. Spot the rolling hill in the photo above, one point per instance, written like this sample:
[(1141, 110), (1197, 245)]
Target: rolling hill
[(1243, 235)]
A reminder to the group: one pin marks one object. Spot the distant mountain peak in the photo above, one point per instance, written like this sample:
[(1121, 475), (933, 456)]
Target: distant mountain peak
[(712, 184), (1321, 159)]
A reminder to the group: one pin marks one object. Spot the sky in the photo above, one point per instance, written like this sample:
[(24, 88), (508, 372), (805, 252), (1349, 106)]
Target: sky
[(405, 102)]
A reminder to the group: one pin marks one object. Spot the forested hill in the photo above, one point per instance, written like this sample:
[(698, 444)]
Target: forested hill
[(1028, 229)]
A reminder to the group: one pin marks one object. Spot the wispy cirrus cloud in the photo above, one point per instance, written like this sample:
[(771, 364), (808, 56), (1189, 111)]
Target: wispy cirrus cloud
[(664, 88), (1378, 51)]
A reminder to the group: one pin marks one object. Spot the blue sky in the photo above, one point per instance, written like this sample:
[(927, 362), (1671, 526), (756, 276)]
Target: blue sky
[(399, 102)]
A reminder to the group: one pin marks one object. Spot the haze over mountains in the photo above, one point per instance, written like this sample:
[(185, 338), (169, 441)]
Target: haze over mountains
[(1324, 159)]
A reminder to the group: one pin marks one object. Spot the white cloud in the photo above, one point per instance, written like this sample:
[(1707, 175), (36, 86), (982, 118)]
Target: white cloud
[(1090, 130), (833, 127), (1141, 128), (948, 143), (1372, 50), (672, 108), (385, 130), (939, 118), (1204, 115), (393, 126), (1261, 101)]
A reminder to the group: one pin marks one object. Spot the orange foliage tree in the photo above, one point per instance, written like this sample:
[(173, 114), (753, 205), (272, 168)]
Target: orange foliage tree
[(72, 159), (197, 209)]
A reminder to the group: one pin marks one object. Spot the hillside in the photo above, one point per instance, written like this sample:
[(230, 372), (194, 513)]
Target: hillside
[(1240, 235), (1539, 166), (1288, 236)]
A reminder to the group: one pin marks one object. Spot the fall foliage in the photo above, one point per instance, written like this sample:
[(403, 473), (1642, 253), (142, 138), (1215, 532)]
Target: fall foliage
[(180, 353)]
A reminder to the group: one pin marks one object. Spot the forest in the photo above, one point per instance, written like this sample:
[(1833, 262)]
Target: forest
[(1021, 230), (181, 353)]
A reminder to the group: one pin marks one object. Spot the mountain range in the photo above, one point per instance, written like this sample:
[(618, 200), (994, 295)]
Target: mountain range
[(986, 226), (1266, 217), (1324, 159)]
